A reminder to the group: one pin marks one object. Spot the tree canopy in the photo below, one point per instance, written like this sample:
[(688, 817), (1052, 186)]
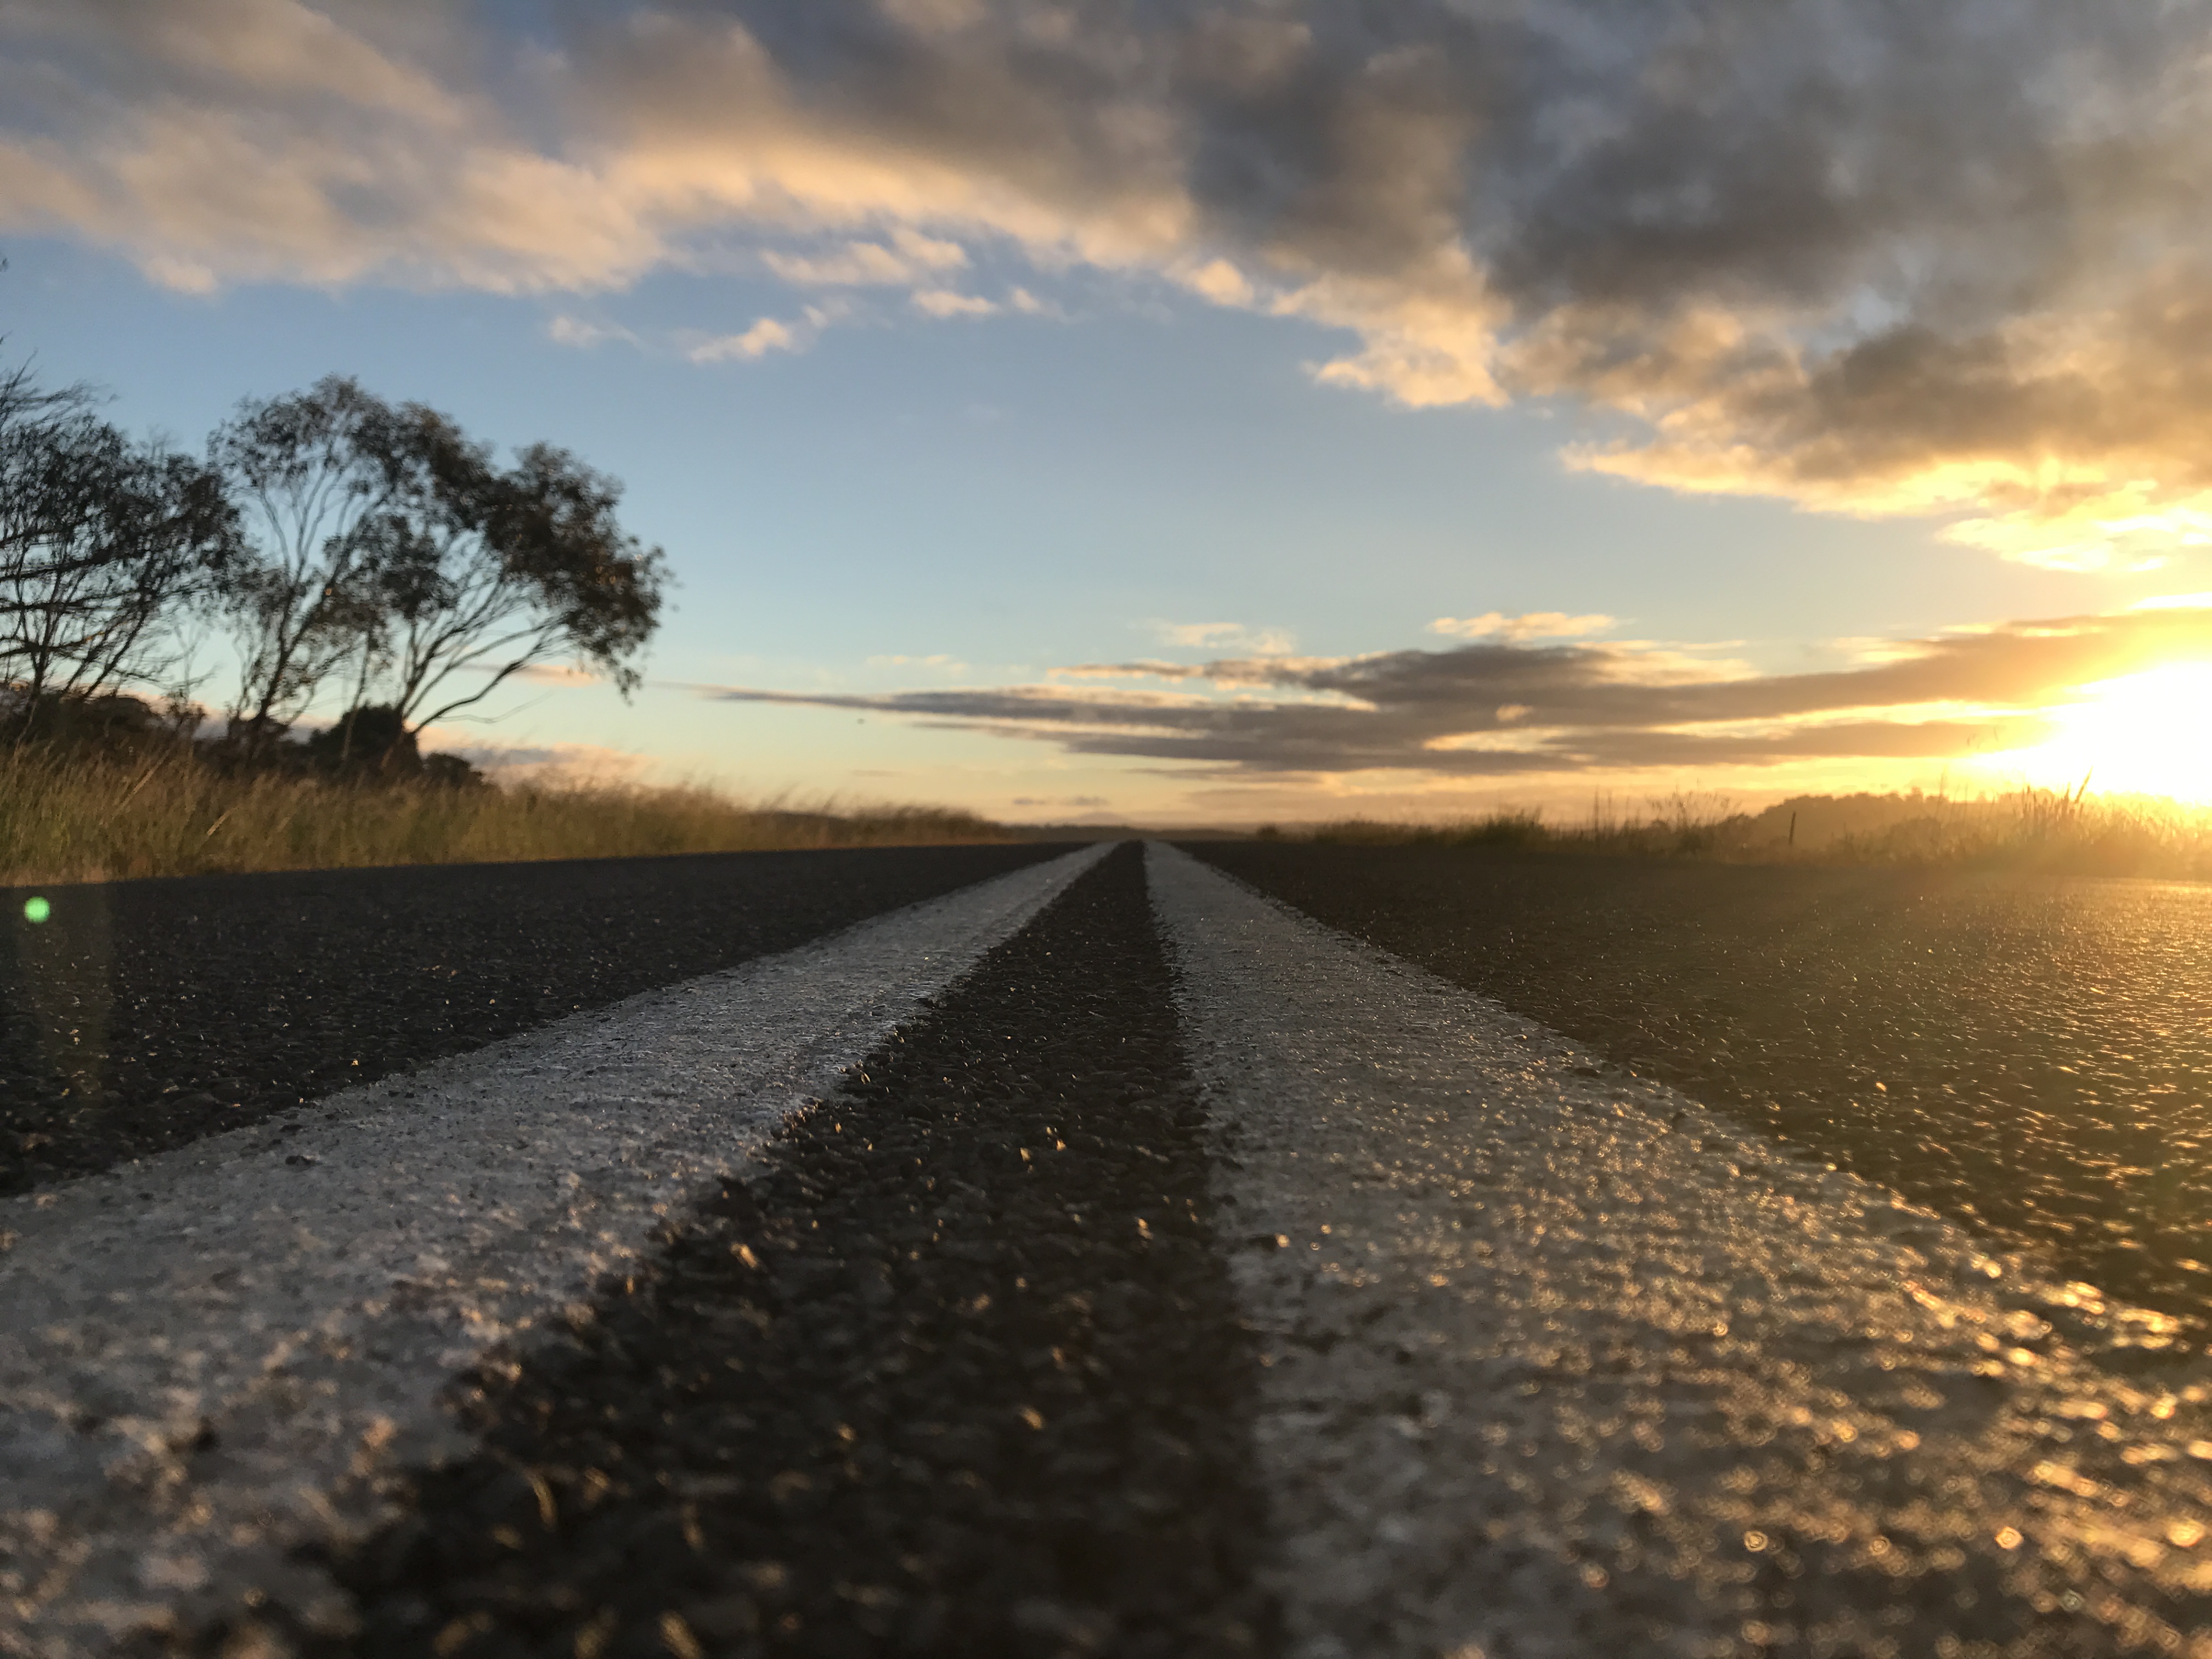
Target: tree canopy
[(108, 546), (388, 546), (348, 544)]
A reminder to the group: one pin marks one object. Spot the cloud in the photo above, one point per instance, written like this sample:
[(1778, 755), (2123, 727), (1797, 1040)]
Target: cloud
[(1219, 282), (943, 302), (226, 139), (941, 661), (1505, 709), (1950, 259), (770, 334), (583, 334), (763, 337), (908, 257), (1235, 636), (1534, 625), (1147, 668)]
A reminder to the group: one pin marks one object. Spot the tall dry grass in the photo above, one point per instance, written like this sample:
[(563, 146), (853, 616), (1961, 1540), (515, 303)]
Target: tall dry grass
[(2054, 830), (1683, 823), (69, 816)]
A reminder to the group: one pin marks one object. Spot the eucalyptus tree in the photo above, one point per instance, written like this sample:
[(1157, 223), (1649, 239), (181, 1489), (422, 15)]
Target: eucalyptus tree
[(394, 549), (107, 547), (318, 477), (498, 571)]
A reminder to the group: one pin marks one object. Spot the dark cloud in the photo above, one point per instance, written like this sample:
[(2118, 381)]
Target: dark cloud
[(1506, 710), (1877, 256)]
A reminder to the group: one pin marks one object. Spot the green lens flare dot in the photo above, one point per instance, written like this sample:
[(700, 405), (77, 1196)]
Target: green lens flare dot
[(36, 910)]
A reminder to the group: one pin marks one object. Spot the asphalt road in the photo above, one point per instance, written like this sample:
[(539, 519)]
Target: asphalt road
[(984, 1393), (219, 1361), (1102, 1259), (2032, 1056), (142, 1015), (1557, 1361)]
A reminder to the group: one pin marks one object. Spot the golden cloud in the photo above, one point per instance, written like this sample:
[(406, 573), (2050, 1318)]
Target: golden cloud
[(1506, 708)]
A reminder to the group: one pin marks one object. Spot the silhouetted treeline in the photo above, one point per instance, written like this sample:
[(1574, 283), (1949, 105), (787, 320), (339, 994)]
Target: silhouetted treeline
[(349, 549)]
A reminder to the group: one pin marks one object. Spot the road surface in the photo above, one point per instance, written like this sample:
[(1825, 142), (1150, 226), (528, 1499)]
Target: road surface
[(2031, 1055), (1102, 1257)]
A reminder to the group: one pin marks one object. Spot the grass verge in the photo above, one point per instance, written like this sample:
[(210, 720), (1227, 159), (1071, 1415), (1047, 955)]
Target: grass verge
[(69, 817)]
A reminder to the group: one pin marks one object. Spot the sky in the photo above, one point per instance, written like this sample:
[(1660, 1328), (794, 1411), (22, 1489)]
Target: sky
[(1230, 412)]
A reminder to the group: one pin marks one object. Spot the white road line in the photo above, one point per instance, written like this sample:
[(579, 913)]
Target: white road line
[(293, 1302), (1552, 1372)]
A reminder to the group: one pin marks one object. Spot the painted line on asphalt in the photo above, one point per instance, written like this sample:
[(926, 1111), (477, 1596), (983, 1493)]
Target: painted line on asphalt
[(1557, 1363), (212, 1357)]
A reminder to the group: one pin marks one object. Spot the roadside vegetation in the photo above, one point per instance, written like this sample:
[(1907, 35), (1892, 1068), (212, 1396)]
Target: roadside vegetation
[(2057, 830), (351, 553), (69, 814), (367, 569)]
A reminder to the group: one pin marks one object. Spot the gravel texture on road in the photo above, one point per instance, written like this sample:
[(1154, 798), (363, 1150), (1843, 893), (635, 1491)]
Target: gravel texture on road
[(143, 1014), (211, 1358), (2030, 1055), (1556, 1363), (953, 1370)]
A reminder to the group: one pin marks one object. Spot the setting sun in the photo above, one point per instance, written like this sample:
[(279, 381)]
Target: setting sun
[(2147, 733)]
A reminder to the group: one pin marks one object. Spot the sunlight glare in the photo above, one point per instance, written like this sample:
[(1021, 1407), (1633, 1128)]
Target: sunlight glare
[(2147, 733)]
